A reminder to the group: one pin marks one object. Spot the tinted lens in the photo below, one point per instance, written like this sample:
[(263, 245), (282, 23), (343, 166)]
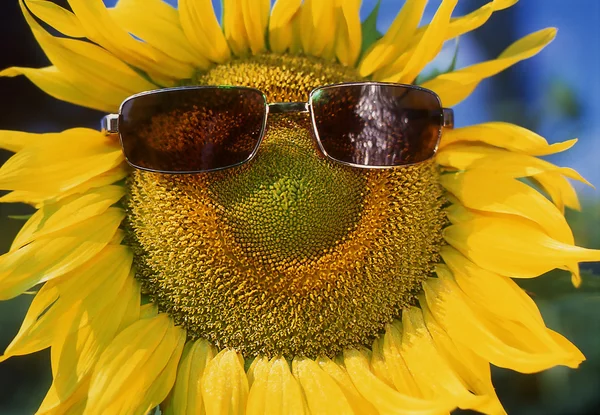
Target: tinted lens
[(377, 124), (192, 130)]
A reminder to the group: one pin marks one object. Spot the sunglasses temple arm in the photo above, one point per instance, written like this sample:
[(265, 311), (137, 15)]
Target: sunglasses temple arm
[(110, 124), (448, 117)]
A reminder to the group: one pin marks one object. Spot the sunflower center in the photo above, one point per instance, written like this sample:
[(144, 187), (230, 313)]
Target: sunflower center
[(289, 254)]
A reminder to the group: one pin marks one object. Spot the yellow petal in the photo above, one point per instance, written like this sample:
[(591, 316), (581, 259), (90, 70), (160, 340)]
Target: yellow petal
[(514, 246), (505, 135), (501, 295), (58, 85), (202, 29), (280, 24), (137, 370), (475, 19), (401, 377), (79, 344), (62, 20), (256, 19), (55, 404), (186, 397), (499, 161), (431, 370), (395, 41), (157, 23), (36, 199), (224, 384), (88, 66), (318, 28), (455, 86), (473, 370), (428, 47), (245, 24), (338, 373), (472, 327), (61, 163), (322, 394), (102, 29), (378, 363), (523, 332), (467, 23), (559, 189), (349, 36), (258, 375), (17, 140), (52, 256), (53, 217), (64, 299), (274, 391), (384, 398), (481, 190)]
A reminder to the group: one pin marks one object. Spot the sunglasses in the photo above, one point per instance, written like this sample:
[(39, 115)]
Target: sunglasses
[(207, 128)]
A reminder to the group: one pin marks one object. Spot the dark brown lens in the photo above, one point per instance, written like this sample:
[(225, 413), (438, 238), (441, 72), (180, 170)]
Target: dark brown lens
[(377, 124), (192, 129)]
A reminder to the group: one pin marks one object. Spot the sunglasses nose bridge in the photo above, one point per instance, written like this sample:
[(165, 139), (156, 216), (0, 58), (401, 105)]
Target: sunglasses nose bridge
[(296, 112), (288, 107)]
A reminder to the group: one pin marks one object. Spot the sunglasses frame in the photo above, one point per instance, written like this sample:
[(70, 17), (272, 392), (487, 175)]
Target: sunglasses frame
[(110, 123)]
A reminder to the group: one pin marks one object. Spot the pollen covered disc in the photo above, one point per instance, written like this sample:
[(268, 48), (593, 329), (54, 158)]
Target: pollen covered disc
[(289, 254)]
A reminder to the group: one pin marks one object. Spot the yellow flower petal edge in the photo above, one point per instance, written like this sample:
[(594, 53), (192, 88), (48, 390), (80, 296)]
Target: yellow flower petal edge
[(49, 257), (321, 391), (111, 355), (427, 48), (461, 25), (455, 86), (273, 389), (280, 24), (62, 163), (528, 253), (245, 23), (53, 217), (77, 349), (432, 372), (200, 25), (505, 135), (349, 36), (224, 384), (102, 29), (473, 328), (58, 85), (88, 65), (383, 397), (186, 396), (508, 196), (395, 41), (62, 20), (158, 24), (38, 198), (141, 360)]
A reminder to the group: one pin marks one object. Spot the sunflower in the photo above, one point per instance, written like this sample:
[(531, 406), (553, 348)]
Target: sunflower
[(290, 284)]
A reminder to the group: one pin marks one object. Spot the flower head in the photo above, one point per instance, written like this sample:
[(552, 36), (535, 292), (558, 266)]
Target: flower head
[(290, 284)]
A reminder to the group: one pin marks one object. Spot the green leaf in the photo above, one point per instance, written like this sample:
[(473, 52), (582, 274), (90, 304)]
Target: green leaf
[(557, 283), (422, 78), (370, 34), (20, 217)]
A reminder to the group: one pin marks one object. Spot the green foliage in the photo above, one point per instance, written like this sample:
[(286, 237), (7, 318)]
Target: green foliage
[(19, 217), (557, 284), (370, 34), (564, 100)]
